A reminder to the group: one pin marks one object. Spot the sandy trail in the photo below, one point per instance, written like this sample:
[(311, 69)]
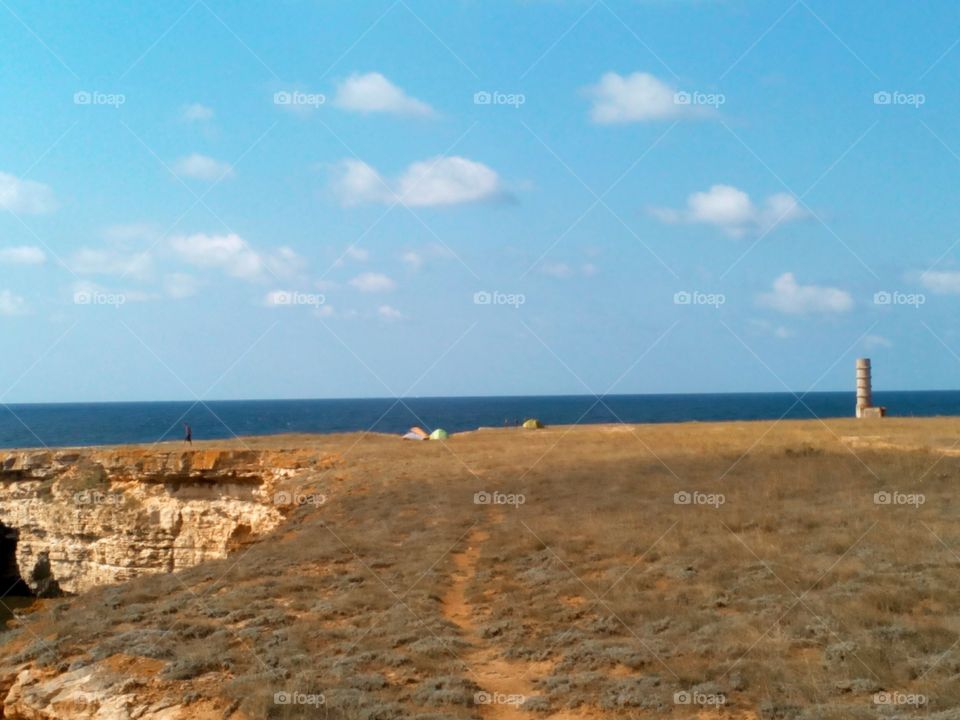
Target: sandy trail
[(502, 680)]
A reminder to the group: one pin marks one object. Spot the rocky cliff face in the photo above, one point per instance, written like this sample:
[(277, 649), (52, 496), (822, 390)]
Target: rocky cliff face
[(75, 519)]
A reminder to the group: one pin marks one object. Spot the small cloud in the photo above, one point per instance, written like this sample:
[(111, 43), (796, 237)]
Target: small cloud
[(560, 271), (637, 97), (202, 167), (23, 255), (25, 196), (589, 269), (792, 298), (732, 210), (230, 253), (434, 182), (942, 282), (357, 254), (373, 282), (11, 304), (412, 259), (90, 261), (386, 312), (373, 93), (324, 311), (180, 285), (875, 342), (196, 112)]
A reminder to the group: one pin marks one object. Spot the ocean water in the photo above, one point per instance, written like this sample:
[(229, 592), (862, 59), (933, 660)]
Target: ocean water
[(36, 425)]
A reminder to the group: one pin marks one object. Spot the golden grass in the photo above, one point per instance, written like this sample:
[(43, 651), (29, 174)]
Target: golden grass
[(797, 597)]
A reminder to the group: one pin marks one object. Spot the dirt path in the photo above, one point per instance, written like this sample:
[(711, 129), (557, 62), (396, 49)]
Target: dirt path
[(504, 682)]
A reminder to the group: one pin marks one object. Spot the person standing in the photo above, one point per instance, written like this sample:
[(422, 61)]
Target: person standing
[(187, 434)]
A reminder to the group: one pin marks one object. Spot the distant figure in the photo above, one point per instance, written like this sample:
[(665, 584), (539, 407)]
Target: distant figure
[(187, 434)]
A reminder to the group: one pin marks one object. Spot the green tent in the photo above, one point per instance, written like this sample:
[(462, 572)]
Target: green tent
[(532, 424), (439, 434)]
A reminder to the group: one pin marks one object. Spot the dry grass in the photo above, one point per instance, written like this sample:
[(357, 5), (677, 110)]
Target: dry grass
[(798, 597)]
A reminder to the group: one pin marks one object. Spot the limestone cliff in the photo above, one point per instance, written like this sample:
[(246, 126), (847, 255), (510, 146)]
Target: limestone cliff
[(74, 519)]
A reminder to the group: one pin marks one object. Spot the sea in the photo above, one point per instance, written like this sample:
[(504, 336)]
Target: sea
[(73, 424)]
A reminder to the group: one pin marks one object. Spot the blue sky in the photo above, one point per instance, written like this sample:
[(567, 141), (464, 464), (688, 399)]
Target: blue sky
[(315, 199)]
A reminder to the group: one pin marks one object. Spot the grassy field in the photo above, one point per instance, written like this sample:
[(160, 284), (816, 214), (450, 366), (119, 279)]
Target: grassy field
[(738, 570)]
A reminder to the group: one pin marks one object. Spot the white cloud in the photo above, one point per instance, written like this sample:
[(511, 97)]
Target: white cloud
[(25, 196), (202, 167), (942, 282), (433, 182), (875, 342), (733, 211), (11, 304), (637, 97), (89, 261), (23, 255), (358, 254), (373, 282), (227, 252), (387, 312), (556, 270), (412, 259), (180, 285), (790, 297), (372, 92), (589, 269), (197, 112), (324, 311)]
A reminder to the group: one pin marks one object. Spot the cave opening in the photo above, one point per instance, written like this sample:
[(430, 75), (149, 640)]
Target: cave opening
[(14, 591)]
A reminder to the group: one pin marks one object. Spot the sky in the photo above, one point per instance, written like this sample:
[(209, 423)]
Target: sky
[(202, 199)]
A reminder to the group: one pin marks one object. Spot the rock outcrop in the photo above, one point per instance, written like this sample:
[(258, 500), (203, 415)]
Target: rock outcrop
[(73, 519)]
